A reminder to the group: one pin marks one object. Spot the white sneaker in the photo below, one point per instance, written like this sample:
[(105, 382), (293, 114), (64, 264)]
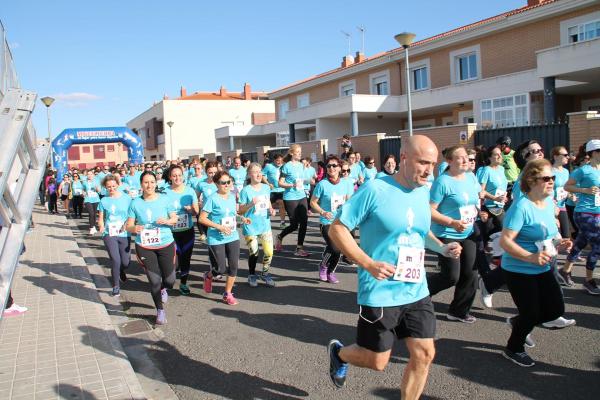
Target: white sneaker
[(559, 323), (93, 231), (486, 297)]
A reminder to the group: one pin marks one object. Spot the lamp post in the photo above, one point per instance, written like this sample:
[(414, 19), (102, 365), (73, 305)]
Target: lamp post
[(405, 39), (170, 123), (48, 102)]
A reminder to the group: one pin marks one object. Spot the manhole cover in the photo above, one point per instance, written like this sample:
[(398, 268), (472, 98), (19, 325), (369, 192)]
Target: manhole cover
[(134, 327)]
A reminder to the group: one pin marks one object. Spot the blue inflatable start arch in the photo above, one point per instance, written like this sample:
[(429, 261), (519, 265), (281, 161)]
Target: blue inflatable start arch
[(71, 136)]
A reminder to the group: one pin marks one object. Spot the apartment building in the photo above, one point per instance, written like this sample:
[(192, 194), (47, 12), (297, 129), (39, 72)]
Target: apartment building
[(90, 155), (529, 65), (185, 126)]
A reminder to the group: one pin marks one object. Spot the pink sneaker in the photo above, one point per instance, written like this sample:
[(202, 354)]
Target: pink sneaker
[(331, 278), (14, 310), (323, 273), (278, 245), (207, 285), (229, 299), (301, 253)]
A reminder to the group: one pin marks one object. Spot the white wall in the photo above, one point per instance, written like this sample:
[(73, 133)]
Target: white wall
[(387, 125), (333, 128)]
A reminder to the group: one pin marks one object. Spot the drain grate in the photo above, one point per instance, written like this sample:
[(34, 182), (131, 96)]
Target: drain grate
[(134, 327)]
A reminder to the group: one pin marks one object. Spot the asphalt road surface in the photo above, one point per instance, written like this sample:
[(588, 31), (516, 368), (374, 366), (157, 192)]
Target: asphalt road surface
[(272, 345)]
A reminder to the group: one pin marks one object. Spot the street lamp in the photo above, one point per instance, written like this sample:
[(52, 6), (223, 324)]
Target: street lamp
[(405, 39), (170, 123), (48, 102)]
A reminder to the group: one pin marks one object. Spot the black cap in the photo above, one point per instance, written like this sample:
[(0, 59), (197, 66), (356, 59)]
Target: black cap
[(504, 140)]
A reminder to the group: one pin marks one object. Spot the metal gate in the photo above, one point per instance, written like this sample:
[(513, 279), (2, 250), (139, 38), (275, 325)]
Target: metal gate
[(251, 155), (389, 145), (548, 136)]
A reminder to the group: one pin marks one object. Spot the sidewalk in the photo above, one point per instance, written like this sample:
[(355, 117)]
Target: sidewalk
[(65, 345)]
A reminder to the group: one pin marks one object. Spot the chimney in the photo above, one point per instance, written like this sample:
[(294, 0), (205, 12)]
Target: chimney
[(347, 61), (360, 57), (223, 91), (247, 92), (534, 2), (183, 92)]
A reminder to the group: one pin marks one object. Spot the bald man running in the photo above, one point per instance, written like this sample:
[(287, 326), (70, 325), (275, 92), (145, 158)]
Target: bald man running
[(394, 218)]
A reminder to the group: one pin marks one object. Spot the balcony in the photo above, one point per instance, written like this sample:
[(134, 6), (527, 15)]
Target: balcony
[(578, 62)]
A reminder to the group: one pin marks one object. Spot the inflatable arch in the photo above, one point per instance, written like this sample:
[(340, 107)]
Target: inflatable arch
[(71, 136)]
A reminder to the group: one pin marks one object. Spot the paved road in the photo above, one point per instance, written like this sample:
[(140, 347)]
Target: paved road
[(272, 345)]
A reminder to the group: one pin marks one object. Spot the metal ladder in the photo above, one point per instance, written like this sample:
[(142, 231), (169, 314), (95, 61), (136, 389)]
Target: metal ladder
[(22, 166)]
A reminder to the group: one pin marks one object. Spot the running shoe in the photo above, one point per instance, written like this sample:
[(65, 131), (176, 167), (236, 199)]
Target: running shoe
[(252, 281), (207, 285), (467, 319), (485, 296), (337, 368), (267, 279), (301, 253), (521, 359), (591, 287), (184, 289), (164, 296), (161, 317), (202, 238), (218, 278), (278, 244), (282, 225), (323, 272), (331, 278), (14, 310), (564, 278), (229, 299), (559, 323), (116, 292), (93, 231), (123, 276), (528, 339)]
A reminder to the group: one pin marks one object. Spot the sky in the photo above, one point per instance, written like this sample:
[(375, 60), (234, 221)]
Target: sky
[(106, 62)]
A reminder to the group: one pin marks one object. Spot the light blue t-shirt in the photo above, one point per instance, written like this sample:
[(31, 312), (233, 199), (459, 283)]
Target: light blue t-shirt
[(354, 173), (206, 190), (330, 197), (99, 178), (586, 177), (259, 214), (178, 201), (115, 211), (91, 190), (560, 194), (442, 167), (309, 173), (457, 199), (271, 171), (223, 212), (161, 185), (495, 183), (349, 185), (516, 190), (134, 186), (533, 225), (77, 188), (146, 212), (369, 173), (194, 181), (293, 172), (385, 227), (382, 173), (239, 177)]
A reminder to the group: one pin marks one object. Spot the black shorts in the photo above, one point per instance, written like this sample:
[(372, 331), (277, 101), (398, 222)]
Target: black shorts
[(377, 326), (276, 196), (63, 197)]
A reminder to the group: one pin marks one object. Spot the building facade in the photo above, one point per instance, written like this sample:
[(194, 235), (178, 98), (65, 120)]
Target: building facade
[(90, 155)]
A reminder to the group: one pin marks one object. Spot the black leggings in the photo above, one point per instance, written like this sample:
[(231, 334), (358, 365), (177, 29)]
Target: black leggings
[(52, 202), (160, 269), (538, 299), (570, 214), (92, 209), (77, 205), (185, 246), (226, 258), (119, 253), (331, 255), (492, 225), (298, 213), (459, 273), (563, 218)]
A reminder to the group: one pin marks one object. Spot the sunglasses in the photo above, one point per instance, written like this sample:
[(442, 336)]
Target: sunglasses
[(332, 165), (563, 154), (471, 160), (547, 178), (345, 171), (534, 151), (224, 182)]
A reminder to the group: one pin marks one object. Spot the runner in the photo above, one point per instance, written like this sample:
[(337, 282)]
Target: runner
[(329, 194), (133, 182), (560, 158), (529, 239), (219, 215), (310, 176), (256, 208), (206, 189), (91, 199), (454, 202), (52, 194), (77, 190), (65, 193), (392, 291), (161, 183), (151, 217), (369, 172), (389, 166), (185, 202), (527, 151), (271, 174), (238, 173), (112, 216), (294, 199)]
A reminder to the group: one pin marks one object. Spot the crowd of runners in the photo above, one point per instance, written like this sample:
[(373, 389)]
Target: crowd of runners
[(496, 217)]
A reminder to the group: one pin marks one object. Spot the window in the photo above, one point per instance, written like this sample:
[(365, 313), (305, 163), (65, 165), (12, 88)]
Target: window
[(73, 153), (85, 149), (420, 80), (380, 83), (347, 88), (110, 147), (99, 152), (282, 108), (303, 100), (466, 67), (505, 111), (585, 31)]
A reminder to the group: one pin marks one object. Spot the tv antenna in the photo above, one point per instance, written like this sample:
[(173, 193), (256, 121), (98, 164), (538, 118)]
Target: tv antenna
[(348, 37), (362, 30)]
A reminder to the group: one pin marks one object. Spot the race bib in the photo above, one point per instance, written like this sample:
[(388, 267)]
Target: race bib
[(547, 246), (114, 228), (597, 199), (299, 184), (133, 193), (150, 237), (500, 192), (91, 193), (182, 221), (561, 194), (411, 265), (468, 214), (337, 201), (77, 192), (229, 222), (262, 205)]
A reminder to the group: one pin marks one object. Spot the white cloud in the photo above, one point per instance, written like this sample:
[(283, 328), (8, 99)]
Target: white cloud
[(75, 99)]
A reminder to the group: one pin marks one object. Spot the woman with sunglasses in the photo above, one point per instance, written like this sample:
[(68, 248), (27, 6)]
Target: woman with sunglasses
[(560, 158), (65, 193), (530, 240), (112, 216), (454, 201), (389, 166), (77, 190), (294, 199), (493, 186), (329, 194), (205, 189), (185, 202), (526, 151), (369, 171), (256, 207), (133, 181), (91, 196), (161, 183), (219, 215), (196, 176), (150, 218)]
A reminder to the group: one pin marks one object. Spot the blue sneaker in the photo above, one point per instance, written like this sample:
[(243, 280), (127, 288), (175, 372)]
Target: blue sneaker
[(116, 292), (337, 368)]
